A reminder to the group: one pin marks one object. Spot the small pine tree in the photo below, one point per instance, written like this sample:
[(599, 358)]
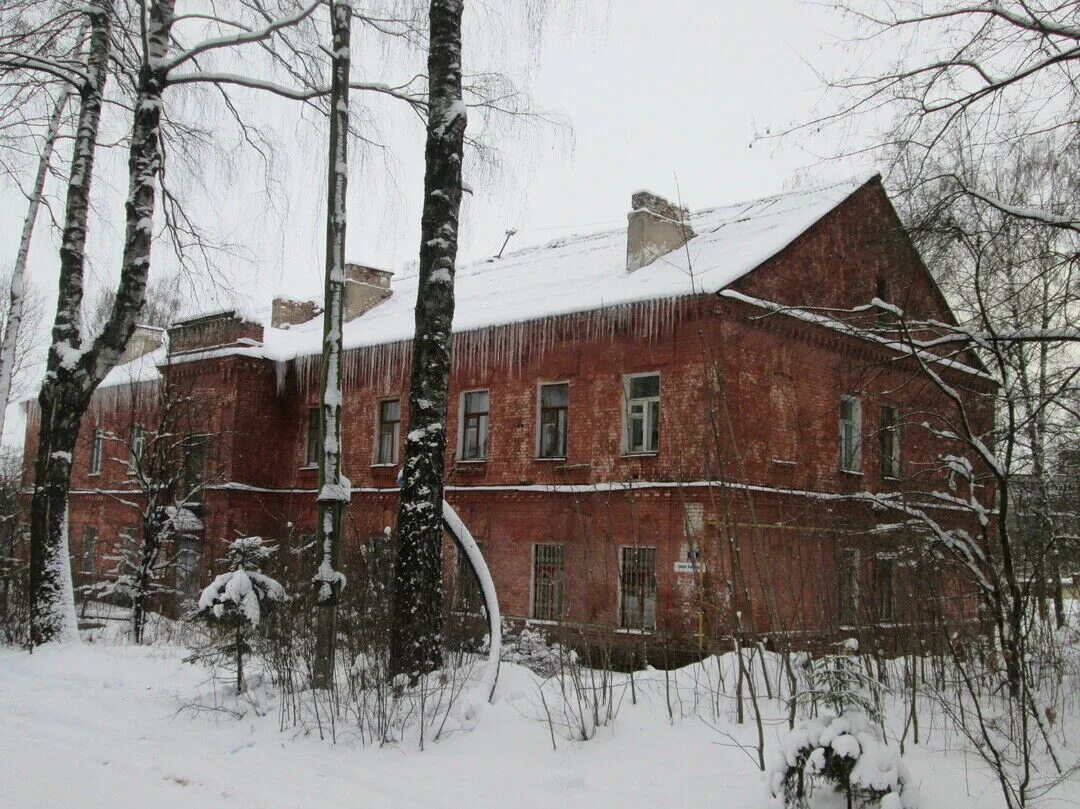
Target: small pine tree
[(237, 599), (839, 682)]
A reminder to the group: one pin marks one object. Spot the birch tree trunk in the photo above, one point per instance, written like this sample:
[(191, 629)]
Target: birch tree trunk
[(52, 603), (17, 296), (417, 632), (74, 371), (333, 486)]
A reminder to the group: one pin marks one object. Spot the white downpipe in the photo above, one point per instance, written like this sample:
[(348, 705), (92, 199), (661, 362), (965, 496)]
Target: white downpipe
[(468, 546)]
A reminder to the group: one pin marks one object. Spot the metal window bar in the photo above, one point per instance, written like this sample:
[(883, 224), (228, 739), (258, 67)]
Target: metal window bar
[(637, 586), (548, 572)]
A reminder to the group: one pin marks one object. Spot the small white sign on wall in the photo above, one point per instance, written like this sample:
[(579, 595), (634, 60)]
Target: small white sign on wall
[(689, 567)]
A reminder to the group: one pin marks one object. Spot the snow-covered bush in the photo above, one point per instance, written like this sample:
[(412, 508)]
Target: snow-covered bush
[(531, 648), (238, 598), (846, 753)]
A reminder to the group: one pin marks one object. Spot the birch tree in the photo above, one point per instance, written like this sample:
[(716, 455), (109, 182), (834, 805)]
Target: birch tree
[(416, 642), (334, 487)]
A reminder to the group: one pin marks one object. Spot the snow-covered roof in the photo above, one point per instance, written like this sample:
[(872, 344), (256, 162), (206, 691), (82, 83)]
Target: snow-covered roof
[(565, 276), (584, 273)]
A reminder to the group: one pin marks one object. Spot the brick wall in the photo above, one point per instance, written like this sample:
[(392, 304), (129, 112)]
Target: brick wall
[(748, 399)]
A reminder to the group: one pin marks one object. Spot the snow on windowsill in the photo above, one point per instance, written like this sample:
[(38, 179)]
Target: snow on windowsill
[(854, 473), (653, 454), (622, 630), (309, 467), (561, 459), (471, 461), (384, 465)]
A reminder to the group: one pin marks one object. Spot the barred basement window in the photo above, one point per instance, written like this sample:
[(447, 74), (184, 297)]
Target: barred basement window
[(89, 549), (389, 432), (850, 433), (466, 588), (886, 591), (138, 443), (554, 404), (311, 448), (847, 588), (548, 572), (97, 447), (474, 426), (642, 393), (889, 434), (637, 589)]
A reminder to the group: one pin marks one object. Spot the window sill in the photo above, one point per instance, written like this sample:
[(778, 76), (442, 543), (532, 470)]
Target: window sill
[(649, 454), (309, 467), (890, 478), (852, 472), (541, 622), (552, 459), (93, 474), (471, 461), (384, 465), (622, 630)]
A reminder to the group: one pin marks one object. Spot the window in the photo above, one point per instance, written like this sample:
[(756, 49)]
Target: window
[(89, 548), (547, 603), (637, 589), (848, 586), (467, 597), (188, 555), (889, 433), (554, 401), (311, 448), (194, 469), (886, 569), (129, 544), (389, 432), (97, 447), (642, 413), (850, 433), (474, 426), (138, 443)]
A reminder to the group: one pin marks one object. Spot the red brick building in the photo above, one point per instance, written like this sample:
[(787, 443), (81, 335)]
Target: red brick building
[(657, 430)]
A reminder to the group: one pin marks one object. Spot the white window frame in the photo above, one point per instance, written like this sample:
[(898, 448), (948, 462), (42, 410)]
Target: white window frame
[(855, 468), (308, 446), (97, 451), (396, 449), (138, 446), (647, 415), (854, 597), (486, 444), (894, 460), (540, 427)]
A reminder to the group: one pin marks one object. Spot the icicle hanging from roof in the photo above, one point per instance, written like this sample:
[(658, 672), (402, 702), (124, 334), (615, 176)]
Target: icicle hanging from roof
[(511, 346)]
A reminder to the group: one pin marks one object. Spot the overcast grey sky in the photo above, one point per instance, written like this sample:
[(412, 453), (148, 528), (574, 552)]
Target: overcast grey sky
[(660, 94)]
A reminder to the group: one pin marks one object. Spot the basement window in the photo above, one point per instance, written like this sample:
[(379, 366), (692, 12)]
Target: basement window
[(886, 589), (548, 572), (642, 417), (637, 589), (89, 549), (847, 589)]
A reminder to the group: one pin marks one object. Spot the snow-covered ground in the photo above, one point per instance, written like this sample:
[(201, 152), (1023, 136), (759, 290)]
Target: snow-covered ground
[(102, 725)]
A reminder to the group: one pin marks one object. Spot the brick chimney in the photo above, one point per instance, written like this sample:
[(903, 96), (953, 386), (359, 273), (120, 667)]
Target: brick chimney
[(142, 341), (219, 330), (285, 312), (654, 228), (365, 288)]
